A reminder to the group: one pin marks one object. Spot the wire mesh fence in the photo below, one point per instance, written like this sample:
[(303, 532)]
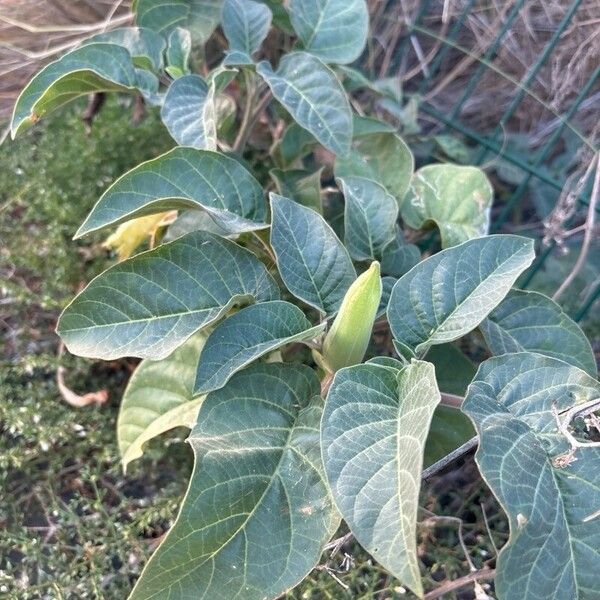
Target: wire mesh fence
[(519, 83)]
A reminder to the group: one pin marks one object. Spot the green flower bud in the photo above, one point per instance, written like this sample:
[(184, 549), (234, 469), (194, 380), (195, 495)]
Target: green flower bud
[(348, 339)]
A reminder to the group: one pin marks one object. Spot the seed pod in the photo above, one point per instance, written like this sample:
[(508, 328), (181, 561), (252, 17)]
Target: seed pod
[(348, 339)]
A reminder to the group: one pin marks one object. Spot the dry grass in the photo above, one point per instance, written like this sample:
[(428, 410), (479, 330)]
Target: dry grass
[(551, 92), (35, 31)]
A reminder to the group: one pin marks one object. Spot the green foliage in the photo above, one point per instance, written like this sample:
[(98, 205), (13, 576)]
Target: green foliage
[(335, 31), (258, 511), (189, 112), (312, 94), (546, 483), (218, 305), (457, 199), (183, 178), (435, 303), (159, 397), (373, 433), (531, 321), (131, 310), (247, 335)]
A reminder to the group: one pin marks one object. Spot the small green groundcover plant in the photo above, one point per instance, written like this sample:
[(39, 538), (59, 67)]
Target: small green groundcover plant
[(253, 318)]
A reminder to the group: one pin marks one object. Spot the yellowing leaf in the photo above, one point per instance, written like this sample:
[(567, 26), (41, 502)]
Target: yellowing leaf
[(132, 234)]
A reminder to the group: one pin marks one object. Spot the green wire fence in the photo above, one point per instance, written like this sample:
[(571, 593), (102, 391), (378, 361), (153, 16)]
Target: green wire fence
[(416, 32)]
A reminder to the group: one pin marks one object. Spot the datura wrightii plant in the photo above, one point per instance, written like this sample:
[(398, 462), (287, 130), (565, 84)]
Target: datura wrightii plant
[(253, 313)]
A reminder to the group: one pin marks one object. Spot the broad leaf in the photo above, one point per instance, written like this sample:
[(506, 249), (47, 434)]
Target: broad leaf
[(180, 179), (314, 97), (549, 492), (313, 263), (295, 144), (300, 185), (179, 48), (281, 19), (144, 45), (531, 321), (373, 433), (193, 220), (245, 25), (334, 30), (447, 295), (363, 126), (450, 428), (398, 257), (150, 304), (247, 335), (158, 398), (91, 68), (382, 157), (200, 17), (370, 217), (257, 512), (222, 76), (457, 199), (189, 112), (453, 370)]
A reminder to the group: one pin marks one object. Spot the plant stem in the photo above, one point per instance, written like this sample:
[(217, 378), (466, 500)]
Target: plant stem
[(451, 586), (450, 458), (588, 235), (241, 137), (260, 106)]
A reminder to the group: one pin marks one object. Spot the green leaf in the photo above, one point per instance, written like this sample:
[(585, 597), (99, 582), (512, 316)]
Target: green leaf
[(313, 263), (245, 25), (179, 48), (373, 432), (363, 126), (450, 428), (91, 68), (257, 512), (549, 492), (200, 17), (398, 257), (144, 45), (382, 157), (334, 30), (457, 199), (159, 397), (314, 97), (281, 18), (295, 143), (247, 335), (447, 295), (531, 321), (300, 185), (193, 220), (150, 304), (189, 113), (222, 76), (453, 370), (179, 179), (370, 216)]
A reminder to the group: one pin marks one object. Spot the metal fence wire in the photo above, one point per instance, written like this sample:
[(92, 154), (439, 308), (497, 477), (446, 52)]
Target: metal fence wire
[(519, 83)]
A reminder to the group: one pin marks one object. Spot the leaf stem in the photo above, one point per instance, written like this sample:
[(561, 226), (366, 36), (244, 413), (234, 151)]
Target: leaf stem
[(451, 586), (588, 235), (449, 458), (250, 91)]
